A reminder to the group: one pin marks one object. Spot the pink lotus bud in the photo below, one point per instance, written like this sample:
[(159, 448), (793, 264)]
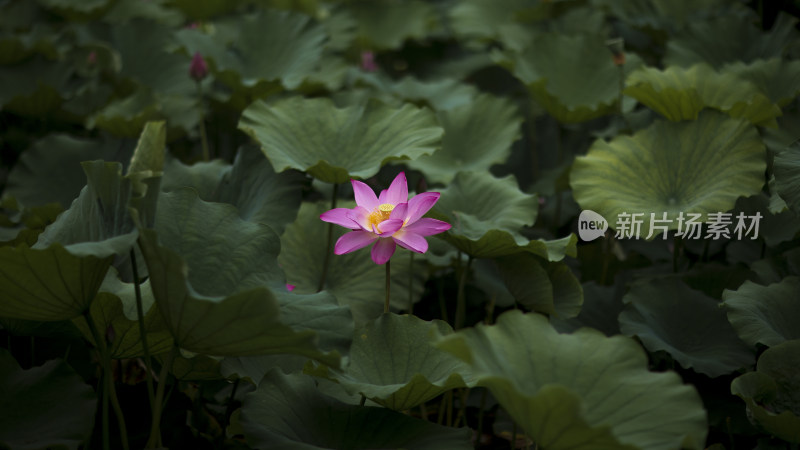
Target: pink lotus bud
[(92, 58), (290, 287), (368, 62), (193, 25), (198, 69)]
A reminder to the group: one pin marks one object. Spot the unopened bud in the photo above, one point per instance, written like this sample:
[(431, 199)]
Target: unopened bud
[(198, 69)]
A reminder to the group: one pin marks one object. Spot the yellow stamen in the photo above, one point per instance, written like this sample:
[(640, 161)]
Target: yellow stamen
[(380, 214)]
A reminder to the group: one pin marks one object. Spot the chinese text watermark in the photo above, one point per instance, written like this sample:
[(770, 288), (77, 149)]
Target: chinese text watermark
[(718, 225)]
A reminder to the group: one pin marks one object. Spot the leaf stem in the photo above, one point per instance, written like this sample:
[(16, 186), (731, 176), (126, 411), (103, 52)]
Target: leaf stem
[(461, 306), (109, 394), (327, 259), (155, 432), (388, 285), (676, 249), (203, 138), (142, 331)]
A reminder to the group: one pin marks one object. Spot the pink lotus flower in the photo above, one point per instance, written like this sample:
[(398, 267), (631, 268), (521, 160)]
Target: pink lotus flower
[(388, 220)]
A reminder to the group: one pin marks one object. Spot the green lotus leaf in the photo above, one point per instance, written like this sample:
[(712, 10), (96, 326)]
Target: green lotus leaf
[(393, 363), (76, 9), (487, 214), (204, 9), (192, 366), (573, 77), (765, 314), (50, 171), (58, 277), (271, 46), (97, 223), (490, 20), (203, 176), (476, 136), (35, 87), (786, 167), (48, 406), (321, 313), (245, 322), (49, 284), (440, 94), (771, 393), (387, 24), (777, 78), (114, 309), (352, 278), (661, 14), (251, 185), (126, 117), (667, 315), (205, 234), (198, 301), (289, 412), (16, 47), (727, 39), (600, 309), (680, 94), (123, 11), (580, 390), (142, 49), (700, 167), (354, 141), (551, 289)]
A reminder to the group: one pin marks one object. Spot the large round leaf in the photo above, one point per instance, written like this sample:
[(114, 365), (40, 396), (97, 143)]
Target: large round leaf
[(580, 391), (43, 407), (207, 234), (220, 302), (667, 315), (353, 278), (765, 314), (50, 169), (680, 94), (476, 136), (334, 144), (48, 284), (250, 184), (393, 363), (734, 37), (487, 215), (701, 167), (387, 24), (269, 46), (573, 77), (546, 288), (771, 393), (779, 79), (787, 176), (289, 412)]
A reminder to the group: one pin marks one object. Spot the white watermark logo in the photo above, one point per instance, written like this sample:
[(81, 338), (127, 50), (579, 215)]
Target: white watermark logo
[(690, 225), (591, 225)]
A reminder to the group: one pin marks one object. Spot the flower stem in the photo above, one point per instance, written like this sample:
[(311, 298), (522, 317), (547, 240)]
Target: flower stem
[(142, 331), (411, 284), (461, 306), (388, 283), (203, 138), (327, 259), (155, 432)]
